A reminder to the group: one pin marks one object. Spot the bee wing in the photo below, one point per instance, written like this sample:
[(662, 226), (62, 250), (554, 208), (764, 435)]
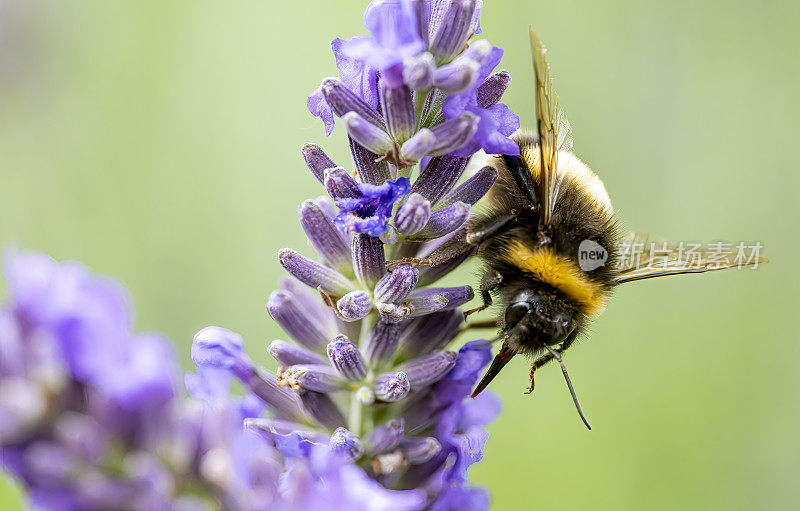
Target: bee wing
[(642, 257), (555, 133)]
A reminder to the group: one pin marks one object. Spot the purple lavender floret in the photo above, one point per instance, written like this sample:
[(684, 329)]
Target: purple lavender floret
[(369, 211)]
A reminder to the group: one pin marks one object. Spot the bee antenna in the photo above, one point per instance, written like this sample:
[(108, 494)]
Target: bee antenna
[(500, 360), (557, 356)]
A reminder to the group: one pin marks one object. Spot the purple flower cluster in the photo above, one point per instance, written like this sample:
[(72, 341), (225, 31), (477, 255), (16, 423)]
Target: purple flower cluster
[(92, 418), (417, 89), (369, 409)]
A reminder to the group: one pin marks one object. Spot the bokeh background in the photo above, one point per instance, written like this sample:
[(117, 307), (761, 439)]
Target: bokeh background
[(159, 142)]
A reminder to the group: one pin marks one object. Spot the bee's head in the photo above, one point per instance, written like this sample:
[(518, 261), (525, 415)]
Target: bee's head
[(540, 315)]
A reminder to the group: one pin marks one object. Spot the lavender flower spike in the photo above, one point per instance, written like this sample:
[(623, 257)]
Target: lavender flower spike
[(314, 274), (354, 305)]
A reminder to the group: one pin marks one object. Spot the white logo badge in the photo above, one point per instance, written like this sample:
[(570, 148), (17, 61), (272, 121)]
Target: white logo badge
[(591, 255)]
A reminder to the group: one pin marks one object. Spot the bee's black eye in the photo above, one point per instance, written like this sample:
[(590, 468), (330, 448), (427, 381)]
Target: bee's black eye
[(515, 312)]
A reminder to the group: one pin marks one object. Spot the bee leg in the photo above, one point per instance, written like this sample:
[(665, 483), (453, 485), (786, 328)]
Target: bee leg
[(489, 282), (485, 232), (480, 324), (424, 261), (544, 359)]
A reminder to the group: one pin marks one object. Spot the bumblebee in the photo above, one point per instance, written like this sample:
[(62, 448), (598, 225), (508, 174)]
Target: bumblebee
[(552, 249)]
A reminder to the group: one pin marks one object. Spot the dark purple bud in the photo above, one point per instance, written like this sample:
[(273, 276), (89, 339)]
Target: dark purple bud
[(392, 387), (457, 76), (343, 101), (454, 133), (347, 444), (289, 354), (316, 377), (490, 91), (324, 236), (367, 134), (433, 299), (413, 214), (385, 437), (316, 160), (431, 332), (340, 184), (295, 319), (282, 401), (398, 109), (471, 190), (418, 145), (445, 221), (347, 359), (221, 349), (438, 177), (367, 164), (430, 368), (454, 30), (418, 71), (354, 305), (396, 285), (420, 450), (314, 274), (368, 259), (383, 340), (322, 409)]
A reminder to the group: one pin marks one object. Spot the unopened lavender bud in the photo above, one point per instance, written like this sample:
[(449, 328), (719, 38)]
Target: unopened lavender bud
[(439, 176), (343, 101), (324, 236), (413, 214), (369, 262), (398, 108), (431, 332), (392, 387), (382, 342), (367, 134), (471, 190), (455, 29), (297, 321), (420, 450), (322, 409), (347, 359), (445, 221), (347, 444), (418, 71), (340, 184), (430, 300), (354, 305), (23, 404), (314, 274), (370, 169), (385, 437), (396, 285), (418, 145), (490, 91), (454, 133), (316, 160), (221, 349), (316, 377), (430, 368), (289, 354), (457, 76)]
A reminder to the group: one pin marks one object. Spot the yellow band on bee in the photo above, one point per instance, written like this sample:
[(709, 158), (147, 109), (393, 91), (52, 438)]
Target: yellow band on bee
[(561, 273)]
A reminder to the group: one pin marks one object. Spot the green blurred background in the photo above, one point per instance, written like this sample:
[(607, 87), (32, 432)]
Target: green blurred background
[(158, 141)]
